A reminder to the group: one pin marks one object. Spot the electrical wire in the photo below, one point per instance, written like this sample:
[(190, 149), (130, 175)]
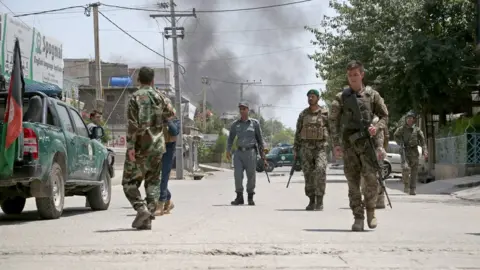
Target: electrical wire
[(52, 11), (270, 85), (218, 10), (139, 42)]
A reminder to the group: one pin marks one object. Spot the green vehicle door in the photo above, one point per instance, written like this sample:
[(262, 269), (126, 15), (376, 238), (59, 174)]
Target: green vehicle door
[(84, 148), (286, 156), (72, 153)]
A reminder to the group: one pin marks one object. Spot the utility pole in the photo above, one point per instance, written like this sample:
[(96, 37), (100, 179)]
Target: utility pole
[(205, 82), (99, 102), (178, 92), (247, 83)]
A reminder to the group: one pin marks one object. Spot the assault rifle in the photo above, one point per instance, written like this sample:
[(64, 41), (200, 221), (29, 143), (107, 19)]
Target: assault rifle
[(350, 101), (403, 157), (257, 149), (291, 171)]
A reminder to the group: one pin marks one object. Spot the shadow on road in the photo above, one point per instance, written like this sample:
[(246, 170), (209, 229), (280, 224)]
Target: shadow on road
[(117, 230), (474, 234), (294, 210), (29, 216), (225, 205), (330, 230)]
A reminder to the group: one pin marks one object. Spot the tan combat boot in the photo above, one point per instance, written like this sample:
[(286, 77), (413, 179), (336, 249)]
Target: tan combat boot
[(319, 203), (168, 207), (160, 209), (380, 202), (141, 218), (412, 191), (371, 219), (358, 225)]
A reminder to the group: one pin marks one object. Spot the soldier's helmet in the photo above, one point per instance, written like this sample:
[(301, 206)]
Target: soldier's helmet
[(411, 114)]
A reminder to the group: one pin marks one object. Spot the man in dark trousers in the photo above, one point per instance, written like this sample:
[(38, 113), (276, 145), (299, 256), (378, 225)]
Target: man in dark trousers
[(249, 138)]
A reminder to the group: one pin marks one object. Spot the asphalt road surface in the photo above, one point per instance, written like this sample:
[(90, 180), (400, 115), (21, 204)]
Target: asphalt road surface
[(205, 232)]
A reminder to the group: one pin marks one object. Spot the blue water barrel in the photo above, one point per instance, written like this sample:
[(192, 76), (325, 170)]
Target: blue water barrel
[(120, 81)]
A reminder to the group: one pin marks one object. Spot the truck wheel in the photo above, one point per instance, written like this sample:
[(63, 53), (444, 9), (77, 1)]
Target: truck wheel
[(13, 206), (99, 197), (52, 207), (270, 167)]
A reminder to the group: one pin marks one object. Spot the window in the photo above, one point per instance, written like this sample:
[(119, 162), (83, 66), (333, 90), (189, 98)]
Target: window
[(275, 151), (110, 98), (79, 124), (393, 148), (64, 118)]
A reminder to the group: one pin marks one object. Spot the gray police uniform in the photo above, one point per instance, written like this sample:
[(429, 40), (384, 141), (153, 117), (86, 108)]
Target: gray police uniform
[(249, 135)]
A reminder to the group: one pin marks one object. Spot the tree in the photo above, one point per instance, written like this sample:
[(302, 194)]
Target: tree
[(415, 51), (284, 136)]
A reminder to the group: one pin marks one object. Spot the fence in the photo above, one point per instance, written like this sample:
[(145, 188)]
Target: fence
[(463, 149)]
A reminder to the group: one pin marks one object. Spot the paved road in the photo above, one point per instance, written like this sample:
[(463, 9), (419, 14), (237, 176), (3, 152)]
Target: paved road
[(205, 232)]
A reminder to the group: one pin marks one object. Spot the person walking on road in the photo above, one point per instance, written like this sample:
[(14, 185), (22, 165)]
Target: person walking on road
[(357, 105), (249, 138), (409, 137), (170, 131), (310, 143), (146, 113)]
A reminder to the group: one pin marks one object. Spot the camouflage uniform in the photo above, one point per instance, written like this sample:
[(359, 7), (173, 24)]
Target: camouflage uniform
[(410, 137), (355, 144), (381, 142), (310, 144), (146, 112)]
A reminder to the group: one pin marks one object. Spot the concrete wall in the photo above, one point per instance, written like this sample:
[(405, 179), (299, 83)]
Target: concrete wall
[(448, 171)]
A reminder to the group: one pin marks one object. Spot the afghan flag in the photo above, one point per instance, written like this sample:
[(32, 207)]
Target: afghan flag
[(13, 118)]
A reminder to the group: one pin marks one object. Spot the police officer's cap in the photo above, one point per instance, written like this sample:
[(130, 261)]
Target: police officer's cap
[(243, 104), (314, 92)]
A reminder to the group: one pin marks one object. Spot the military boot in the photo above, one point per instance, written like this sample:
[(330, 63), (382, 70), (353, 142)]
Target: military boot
[(160, 209), (358, 225), (380, 202), (147, 225), (168, 207), (142, 215), (371, 219), (319, 203), (412, 191), (238, 200), (311, 204), (250, 199)]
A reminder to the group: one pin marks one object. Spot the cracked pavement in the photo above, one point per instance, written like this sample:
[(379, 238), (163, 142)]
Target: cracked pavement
[(205, 232)]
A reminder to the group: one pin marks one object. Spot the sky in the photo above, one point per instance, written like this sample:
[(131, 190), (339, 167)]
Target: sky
[(268, 45)]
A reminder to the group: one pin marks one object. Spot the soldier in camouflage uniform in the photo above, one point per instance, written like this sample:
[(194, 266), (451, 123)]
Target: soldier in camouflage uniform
[(409, 137), (146, 112), (355, 142), (381, 142), (310, 144)]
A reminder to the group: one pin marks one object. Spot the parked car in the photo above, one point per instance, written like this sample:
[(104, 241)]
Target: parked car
[(278, 157), (392, 163), (60, 158)]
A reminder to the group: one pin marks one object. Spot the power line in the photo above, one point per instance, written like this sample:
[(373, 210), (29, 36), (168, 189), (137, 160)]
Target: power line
[(271, 85), (217, 10), (139, 42), (52, 11), (156, 10)]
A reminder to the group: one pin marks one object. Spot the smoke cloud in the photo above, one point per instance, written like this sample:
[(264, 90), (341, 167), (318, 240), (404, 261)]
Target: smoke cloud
[(216, 36)]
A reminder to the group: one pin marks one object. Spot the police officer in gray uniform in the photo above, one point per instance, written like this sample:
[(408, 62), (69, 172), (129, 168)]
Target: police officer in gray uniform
[(249, 138)]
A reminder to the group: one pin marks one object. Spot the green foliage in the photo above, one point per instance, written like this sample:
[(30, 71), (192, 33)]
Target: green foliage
[(460, 126), (219, 148), (284, 136), (204, 153), (417, 53)]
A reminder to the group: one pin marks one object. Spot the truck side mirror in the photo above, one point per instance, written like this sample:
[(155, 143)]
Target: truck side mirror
[(98, 132)]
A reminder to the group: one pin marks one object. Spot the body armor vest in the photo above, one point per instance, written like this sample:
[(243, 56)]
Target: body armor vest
[(314, 126), (365, 103)]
